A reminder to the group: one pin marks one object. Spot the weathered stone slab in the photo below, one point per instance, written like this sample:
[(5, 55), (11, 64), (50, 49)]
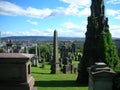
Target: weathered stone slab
[(15, 71)]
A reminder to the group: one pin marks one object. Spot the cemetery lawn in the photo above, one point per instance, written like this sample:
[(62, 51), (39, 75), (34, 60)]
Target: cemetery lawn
[(46, 81)]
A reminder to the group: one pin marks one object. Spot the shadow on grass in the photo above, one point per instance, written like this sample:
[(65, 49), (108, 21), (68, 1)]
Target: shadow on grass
[(40, 73), (55, 83)]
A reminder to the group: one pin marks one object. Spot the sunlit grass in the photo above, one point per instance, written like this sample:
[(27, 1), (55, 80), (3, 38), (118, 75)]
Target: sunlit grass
[(46, 81)]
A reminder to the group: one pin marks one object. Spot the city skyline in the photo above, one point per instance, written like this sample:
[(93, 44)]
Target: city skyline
[(42, 17)]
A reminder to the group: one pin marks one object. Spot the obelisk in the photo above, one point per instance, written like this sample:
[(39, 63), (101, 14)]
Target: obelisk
[(55, 62), (98, 46)]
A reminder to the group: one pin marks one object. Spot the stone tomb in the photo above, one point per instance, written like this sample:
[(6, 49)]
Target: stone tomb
[(100, 77), (15, 71)]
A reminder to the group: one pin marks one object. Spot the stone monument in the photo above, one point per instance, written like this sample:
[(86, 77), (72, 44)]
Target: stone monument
[(9, 46), (15, 71), (100, 77), (35, 59), (73, 49), (66, 60), (55, 62), (98, 46)]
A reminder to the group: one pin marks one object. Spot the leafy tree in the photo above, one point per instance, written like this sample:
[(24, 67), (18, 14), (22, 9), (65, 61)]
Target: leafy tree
[(45, 50), (1, 50), (32, 50)]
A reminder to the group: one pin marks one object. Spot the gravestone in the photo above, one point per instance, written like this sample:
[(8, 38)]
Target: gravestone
[(55, 62), (100, 77), (35, 61), (15, 71), (64, 51), (98, 46), (73, 49), (39, 55), (9, 46), (68, 67)]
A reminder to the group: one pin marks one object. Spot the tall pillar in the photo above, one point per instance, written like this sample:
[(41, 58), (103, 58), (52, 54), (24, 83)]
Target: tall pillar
[(55, 62)]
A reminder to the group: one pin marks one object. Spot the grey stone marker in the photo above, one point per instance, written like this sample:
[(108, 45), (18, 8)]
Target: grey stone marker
[(15, 71), (35, 59), (9, 46), (100, 77), (55, 62)]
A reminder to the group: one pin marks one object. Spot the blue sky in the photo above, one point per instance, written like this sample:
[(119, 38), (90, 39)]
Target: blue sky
[(42, 17)]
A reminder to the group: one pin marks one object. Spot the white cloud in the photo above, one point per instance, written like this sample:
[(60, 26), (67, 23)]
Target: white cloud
[(8, 8), (19, 33), (32, 32), (117, 17), (47, 32), (115, 30), (32, 22), (70, 33), (75, 6), (111, 12), (38, 13), (114, 13), (79, 3), (70, 25), (67, 29), (72, 30), (84, 12), (113, 1), (71, 10)]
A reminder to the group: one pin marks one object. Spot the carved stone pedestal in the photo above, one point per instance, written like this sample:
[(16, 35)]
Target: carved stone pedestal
[(15, 72)]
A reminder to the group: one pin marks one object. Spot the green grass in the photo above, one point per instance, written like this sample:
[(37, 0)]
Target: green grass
[(46, 81)]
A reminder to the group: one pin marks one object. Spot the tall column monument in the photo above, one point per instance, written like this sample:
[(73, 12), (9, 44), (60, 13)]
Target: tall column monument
[(55, 62), (98, 46)]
